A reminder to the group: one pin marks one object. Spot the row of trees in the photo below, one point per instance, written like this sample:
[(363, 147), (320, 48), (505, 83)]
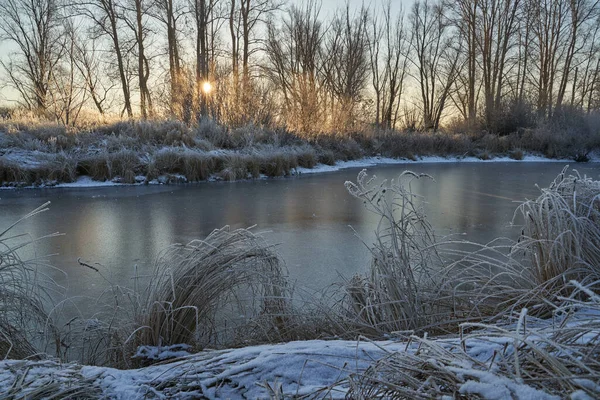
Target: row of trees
[(269, 63)]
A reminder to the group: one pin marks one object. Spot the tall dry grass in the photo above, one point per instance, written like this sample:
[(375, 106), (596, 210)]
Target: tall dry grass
[(25, 294), (401, 290), (417, 282), (559, 242), (201, 292), (561, 230)]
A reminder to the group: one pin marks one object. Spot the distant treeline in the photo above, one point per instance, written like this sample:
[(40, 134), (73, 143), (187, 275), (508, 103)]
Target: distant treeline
[(496, 65)]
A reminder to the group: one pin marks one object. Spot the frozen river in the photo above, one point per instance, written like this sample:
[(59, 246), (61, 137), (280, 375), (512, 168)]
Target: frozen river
[(312, 218)]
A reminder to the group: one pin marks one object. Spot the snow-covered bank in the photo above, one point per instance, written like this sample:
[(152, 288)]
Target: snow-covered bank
[(87, 182), (373, 161), (318, 369)]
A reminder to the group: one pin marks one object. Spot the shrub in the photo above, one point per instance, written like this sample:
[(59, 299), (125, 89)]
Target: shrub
[(513, 116), (11, 172), (278, 164), (484, 155), (326, 157), (102, 166), (216, 134), (343, 147)]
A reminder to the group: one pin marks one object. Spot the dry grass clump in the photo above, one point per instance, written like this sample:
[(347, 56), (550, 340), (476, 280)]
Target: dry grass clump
[(516, 154), (344, 148), (123, 165), (558, 358), (38, 169), (307, 158), (198, 166), (168, 133), (234, 167), (562, 231), (198, 287), (278, 163), (194, 165), (560, 241), (401, 290), (62, 168), (408, 144), (11, 173), (24, 324), (418, 283), (216, 134)]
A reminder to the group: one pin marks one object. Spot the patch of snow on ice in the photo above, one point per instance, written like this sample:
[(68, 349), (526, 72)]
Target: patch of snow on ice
[(86, 181)]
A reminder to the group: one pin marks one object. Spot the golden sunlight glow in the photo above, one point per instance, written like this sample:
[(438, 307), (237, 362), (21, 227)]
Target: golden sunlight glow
[(206, 87)]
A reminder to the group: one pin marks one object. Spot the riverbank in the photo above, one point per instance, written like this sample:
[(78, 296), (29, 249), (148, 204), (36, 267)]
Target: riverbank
[(529, 358), (82, 181), (163, 152)]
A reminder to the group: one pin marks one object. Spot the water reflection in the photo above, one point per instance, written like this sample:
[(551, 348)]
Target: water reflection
[(312, 217)]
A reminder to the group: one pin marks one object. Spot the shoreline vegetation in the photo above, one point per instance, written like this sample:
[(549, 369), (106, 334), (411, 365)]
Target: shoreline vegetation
[(38, 153), (429, 318)]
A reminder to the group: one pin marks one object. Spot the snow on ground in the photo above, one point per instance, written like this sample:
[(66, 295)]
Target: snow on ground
[(85, 181), (371, 161), (314, 367)]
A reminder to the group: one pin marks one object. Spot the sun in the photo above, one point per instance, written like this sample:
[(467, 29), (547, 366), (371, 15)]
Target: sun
[(206, 87)]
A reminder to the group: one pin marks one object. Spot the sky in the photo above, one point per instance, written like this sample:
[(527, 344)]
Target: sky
[(328, 8)]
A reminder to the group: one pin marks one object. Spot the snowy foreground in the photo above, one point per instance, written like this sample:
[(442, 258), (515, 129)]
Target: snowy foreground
[(313, 369)]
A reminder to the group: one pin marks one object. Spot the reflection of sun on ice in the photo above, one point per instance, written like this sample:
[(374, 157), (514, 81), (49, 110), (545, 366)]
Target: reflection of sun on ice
[(206, 87)]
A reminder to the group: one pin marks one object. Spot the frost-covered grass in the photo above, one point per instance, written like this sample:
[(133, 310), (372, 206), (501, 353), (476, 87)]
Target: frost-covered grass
[(523, 358), (37, 152), (25, 326), (196, 284)]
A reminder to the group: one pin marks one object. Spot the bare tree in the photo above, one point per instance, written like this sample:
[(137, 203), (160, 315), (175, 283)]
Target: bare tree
[(98, 85), (34, 26), (496, 30), (170, 13), (396, 66), (68, 91), (106, 18), (292, 53), (467, 23), (378, 75), (201, 18), (588, 84), (581, 12), (135, 16), (434, 57), (244, 19), (346, 65), (548, 27)]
